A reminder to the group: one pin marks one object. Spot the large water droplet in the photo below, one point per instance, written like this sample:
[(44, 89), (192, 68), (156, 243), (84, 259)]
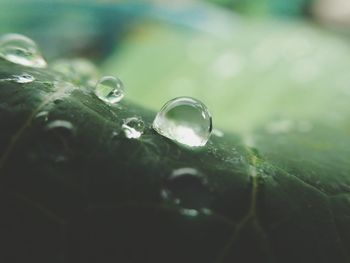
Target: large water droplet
[(110, 89), (184, 120), (22, 50), (187, 188), (133, 127)]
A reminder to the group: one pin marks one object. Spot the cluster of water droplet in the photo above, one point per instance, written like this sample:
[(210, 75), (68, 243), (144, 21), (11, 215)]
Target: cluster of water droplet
[(184, 120), (20, 78)]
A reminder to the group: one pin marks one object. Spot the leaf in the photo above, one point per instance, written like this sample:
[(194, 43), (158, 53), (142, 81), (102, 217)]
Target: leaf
[(283, 88), (89, 194)]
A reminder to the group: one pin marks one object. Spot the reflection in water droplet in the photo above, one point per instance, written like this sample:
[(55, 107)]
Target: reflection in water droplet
[(133, 127), (57, 140), (110, 89), (62, 124), (184, 120), (21, 50), (23, 78), (78, 69), (42, 115), (187, 188)]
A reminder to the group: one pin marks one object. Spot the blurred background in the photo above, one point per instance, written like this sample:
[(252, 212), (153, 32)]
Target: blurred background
[(261, 63)]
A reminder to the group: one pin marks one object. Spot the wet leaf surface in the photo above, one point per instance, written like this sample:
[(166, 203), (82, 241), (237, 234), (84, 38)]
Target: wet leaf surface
[(75, 189)]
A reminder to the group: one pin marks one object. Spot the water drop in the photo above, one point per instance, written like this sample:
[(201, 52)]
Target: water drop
[(133, 127), (184, 120), (110, 89), (188, 188), (23, 78), (21, 50)]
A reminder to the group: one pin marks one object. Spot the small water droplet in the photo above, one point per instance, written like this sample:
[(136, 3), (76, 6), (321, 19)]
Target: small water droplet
[(184, 120), (133, 127), (23, 78), (188, 188), (110, 89), (21, 50)]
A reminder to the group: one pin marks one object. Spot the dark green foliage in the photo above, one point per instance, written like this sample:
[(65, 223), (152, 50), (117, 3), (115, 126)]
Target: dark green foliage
[(91, 195)]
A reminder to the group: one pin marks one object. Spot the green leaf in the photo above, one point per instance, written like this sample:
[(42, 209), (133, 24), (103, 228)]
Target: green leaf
[(89, 194)]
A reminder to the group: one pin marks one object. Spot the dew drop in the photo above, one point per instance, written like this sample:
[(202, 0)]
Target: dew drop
[(187, 188), (110, 89), (184, 120), (21, 50), (133, 127), (23, 78)]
